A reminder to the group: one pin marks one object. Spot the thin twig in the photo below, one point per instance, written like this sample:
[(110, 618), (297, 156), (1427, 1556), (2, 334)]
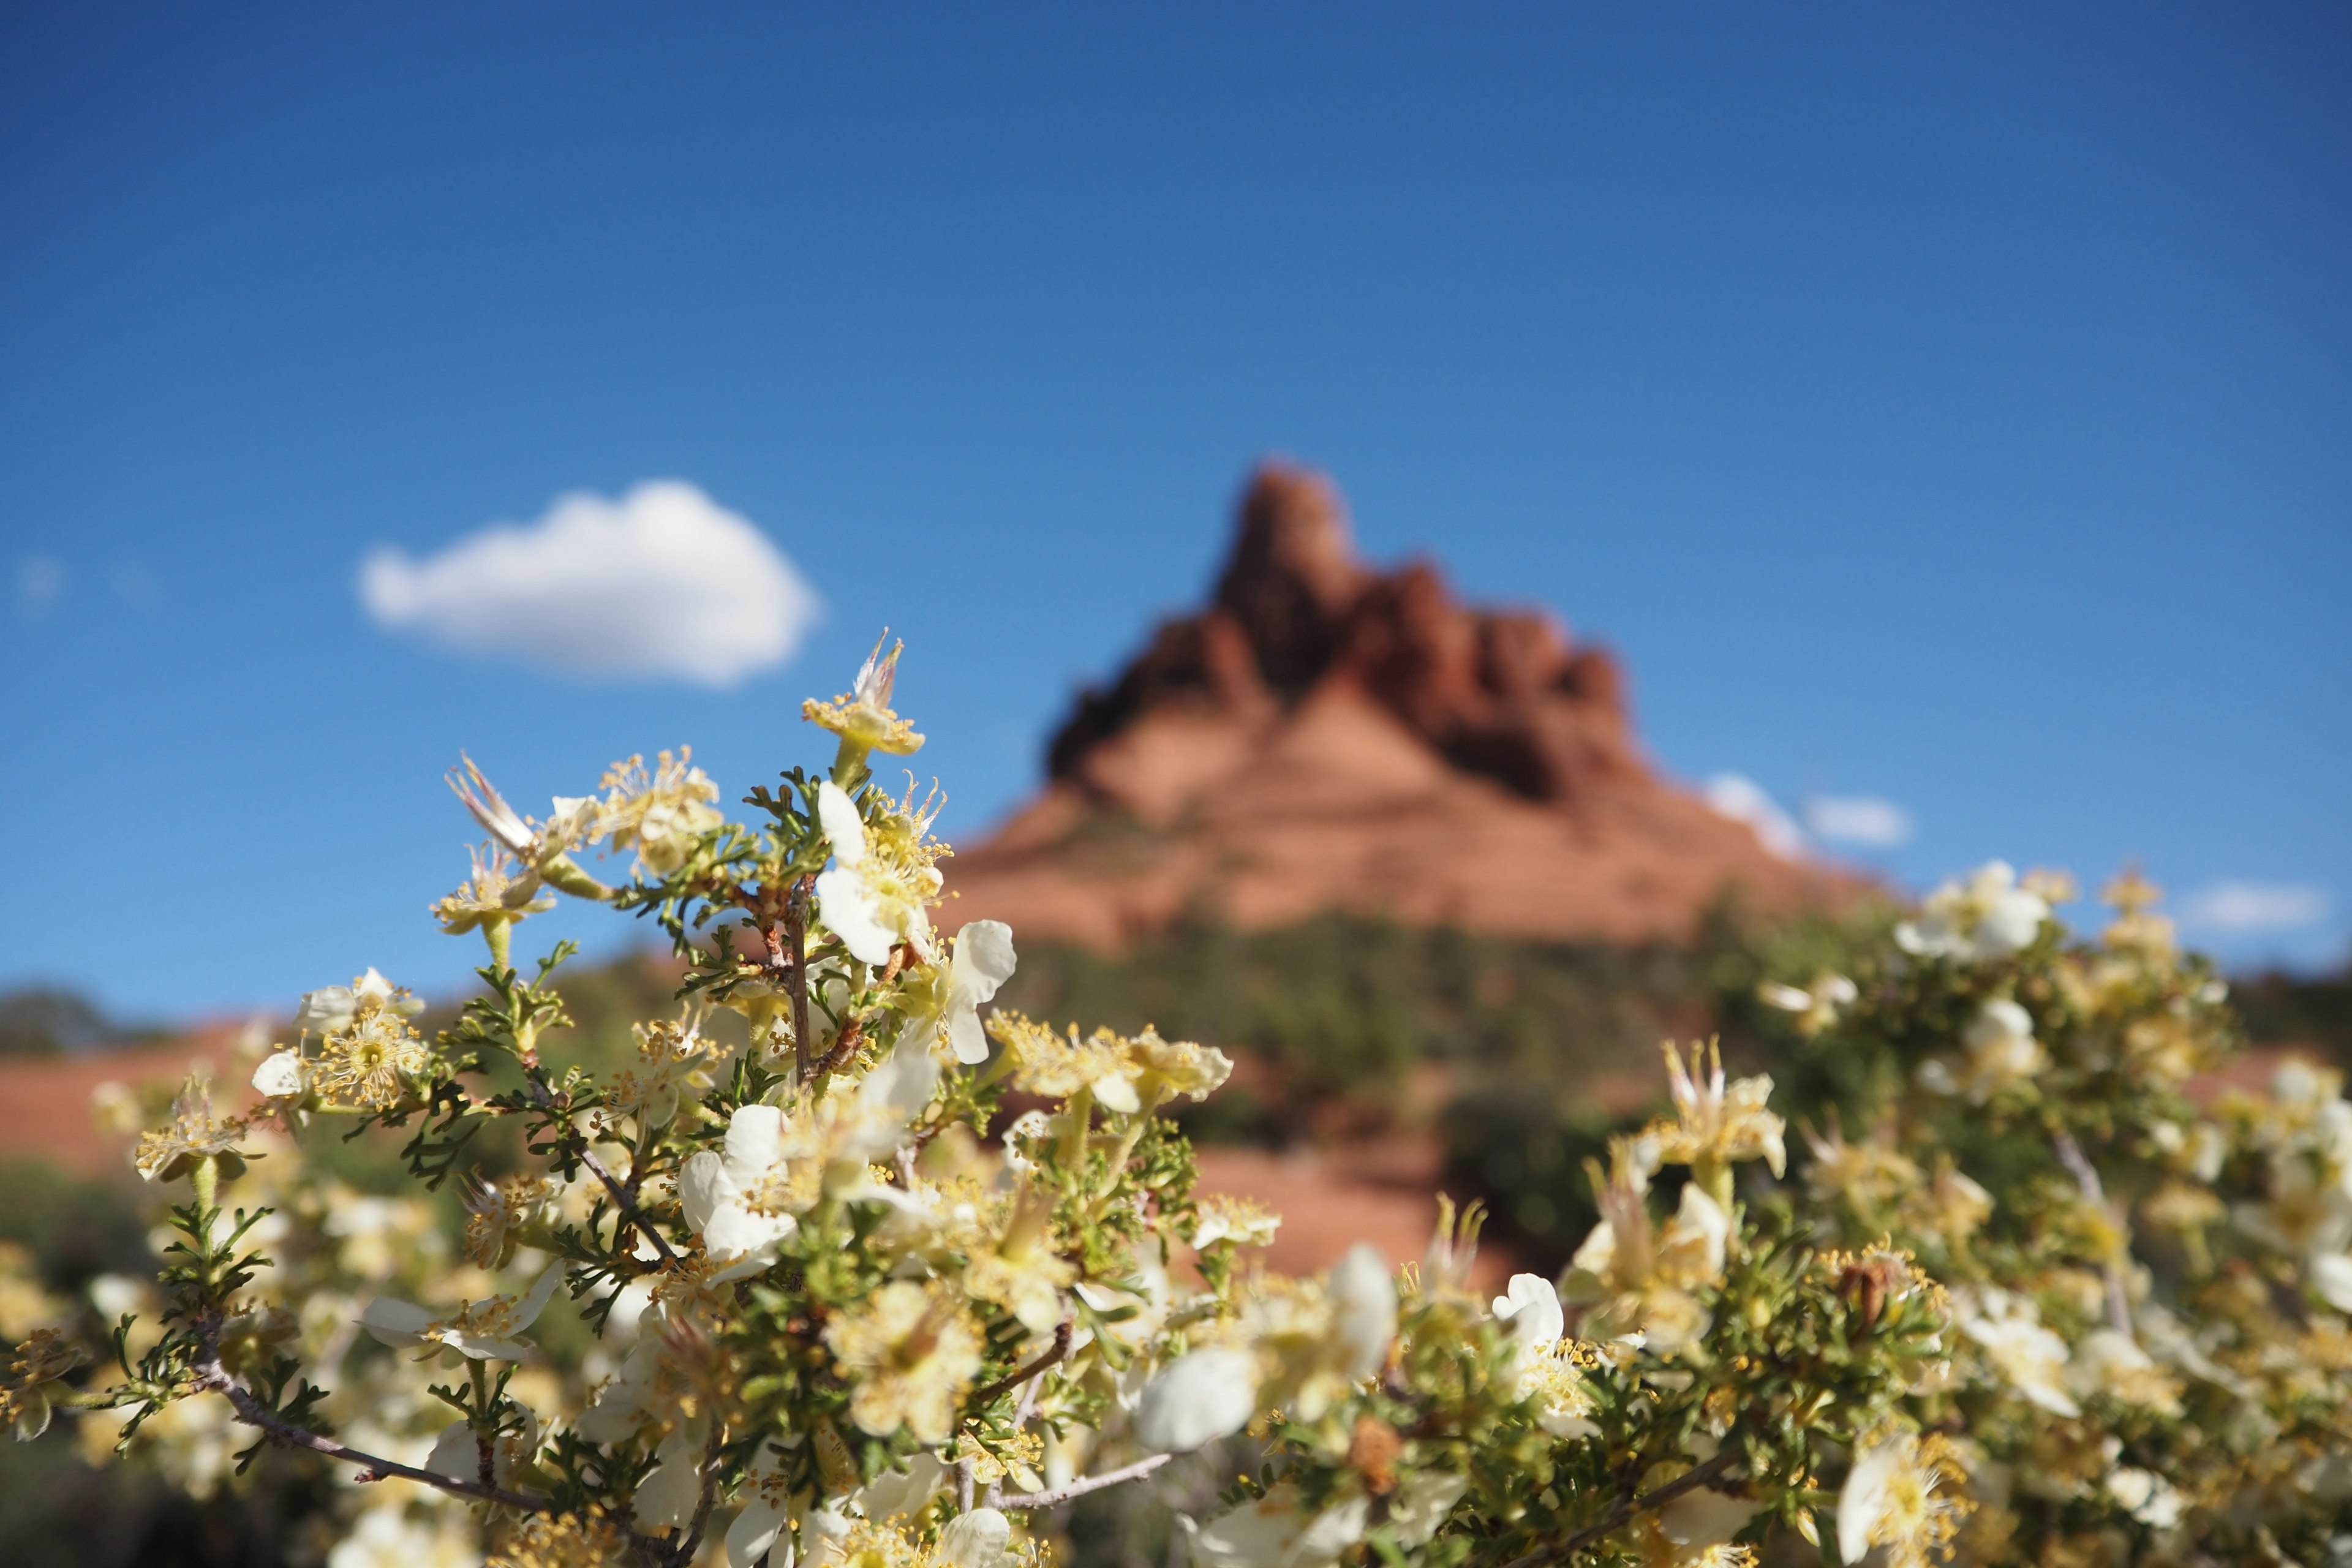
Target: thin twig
[(621, 1198), (2087, 1176), (1078, 1489), (1626, 1508), (1055, 1353)]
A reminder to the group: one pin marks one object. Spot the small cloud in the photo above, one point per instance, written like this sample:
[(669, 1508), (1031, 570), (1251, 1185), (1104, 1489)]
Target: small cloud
[(1865, 821), (662, 583), (2254, 907), (1742, 799), (40, 582)]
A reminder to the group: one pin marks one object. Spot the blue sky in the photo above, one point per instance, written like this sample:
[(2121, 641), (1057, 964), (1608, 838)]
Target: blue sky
[(1948, 405)]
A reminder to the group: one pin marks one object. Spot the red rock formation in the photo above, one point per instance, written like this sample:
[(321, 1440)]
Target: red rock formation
[(1326, 736)]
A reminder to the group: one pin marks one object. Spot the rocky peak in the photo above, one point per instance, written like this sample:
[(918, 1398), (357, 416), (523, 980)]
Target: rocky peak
[(1327, 735), (1501, 693)]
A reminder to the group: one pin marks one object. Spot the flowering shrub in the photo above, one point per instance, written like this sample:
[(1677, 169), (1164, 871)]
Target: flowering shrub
[(891, 1282)]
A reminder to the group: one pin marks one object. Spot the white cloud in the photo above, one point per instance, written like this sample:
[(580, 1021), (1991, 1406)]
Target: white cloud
[(2253, 907), (1742, 799), (1863, 821), (662, 583), (40, 582)]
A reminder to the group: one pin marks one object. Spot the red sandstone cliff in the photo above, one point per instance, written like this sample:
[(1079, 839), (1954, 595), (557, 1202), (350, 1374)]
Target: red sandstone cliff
[(1327, 736)]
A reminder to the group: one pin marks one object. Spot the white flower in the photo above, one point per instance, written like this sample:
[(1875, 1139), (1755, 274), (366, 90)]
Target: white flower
[(1817, 1006), (2001, 1054), (1274, 1531), (2029, 1357), (974, 1540), (481, 1330), (1704, 1517), (2145, 1496), (1988, 917), (331, 1009), (714, 1190), (279, 1075), (896, 1494), (388, 1537), (1891, 1501), (1364, 1309), (1422, 1503), (868, 906), (458, 1453), (1531, 1307), (983, 961), (1197, 1399)]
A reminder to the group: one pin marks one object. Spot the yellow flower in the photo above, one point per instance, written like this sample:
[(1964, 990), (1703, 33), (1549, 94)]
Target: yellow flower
[(1816, 1006), (661, 814), (1717, 1125), (370, 1061), (1060, 1066), (912, 1355), (495, 1211), (862, 716), (493, 893), (1123, 1075), (40, 1361), (480, 1330), (1233, 1222), (193, 1135)]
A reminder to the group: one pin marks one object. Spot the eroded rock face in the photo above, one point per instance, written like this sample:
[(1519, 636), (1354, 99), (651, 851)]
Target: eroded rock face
[(1325, 735)]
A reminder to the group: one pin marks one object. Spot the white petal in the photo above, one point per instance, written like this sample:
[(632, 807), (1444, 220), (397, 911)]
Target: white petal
[(1864, 1501), (974, 1540), (702, 1187), (395, 1322), (965, 1033), (2331, 1275), (1364, 1294), (667, 1497), (541, 1289), (849, 907), (1116, 1092), (1198, 1398), (456, 1454), (736, 1234), (900, 1085), (755, 1142), (1255, 1535), (754, 1531), (1531, 1306), (984, 958), (279, 1075), (837, 814)]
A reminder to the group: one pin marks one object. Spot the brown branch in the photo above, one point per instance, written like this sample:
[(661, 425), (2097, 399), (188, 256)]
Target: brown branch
[(1625, 1507), (1078, 1489), (686, 1549), (852, 1034), (2087, 1176), (797, 935), (214, 1378), (1054, 1353)]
